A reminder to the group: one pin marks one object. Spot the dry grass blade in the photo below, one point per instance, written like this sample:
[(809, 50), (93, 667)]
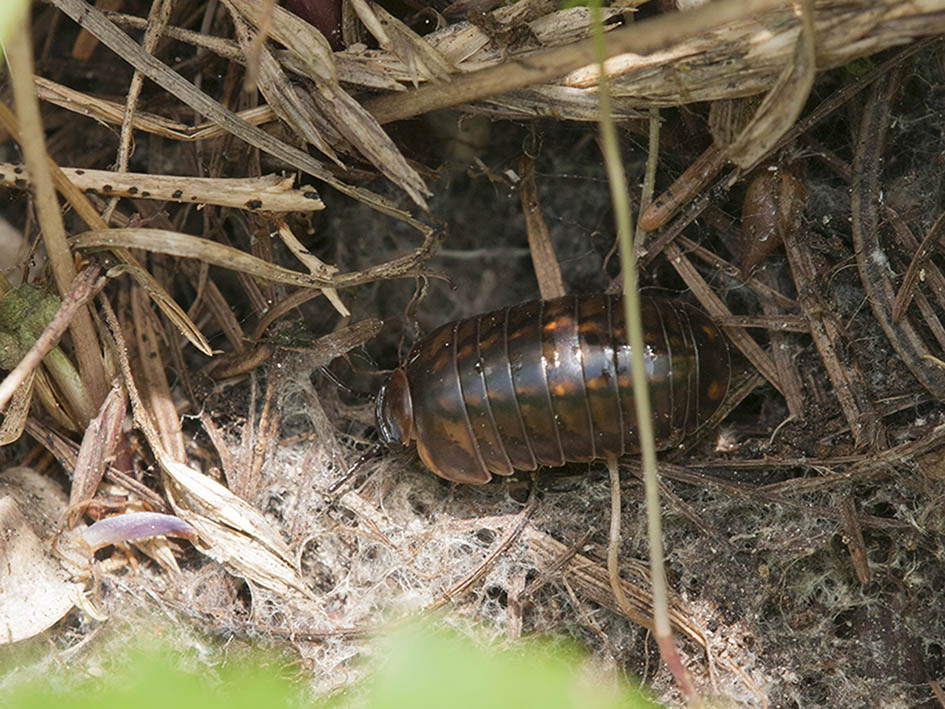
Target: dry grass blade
[(276, 89), (98, 447), (269, 193), (421, 59), (174, 243), (783, 104), (363, 131), (162, 299), (155, 391), (31, 137), (662, 629), (119, 42), (547, 269), (158, 17), (112, 112), (187, 246), (230, 530)]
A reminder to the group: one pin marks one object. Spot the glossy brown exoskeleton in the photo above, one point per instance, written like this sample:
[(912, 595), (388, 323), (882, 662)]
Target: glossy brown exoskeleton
[(547, 382)]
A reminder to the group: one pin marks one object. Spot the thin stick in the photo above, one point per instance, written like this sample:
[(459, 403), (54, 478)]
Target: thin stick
[(83, 287), (649, 176), (613, 542)]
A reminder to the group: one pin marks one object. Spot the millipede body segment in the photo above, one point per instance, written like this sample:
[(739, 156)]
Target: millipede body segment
[(547, 382)]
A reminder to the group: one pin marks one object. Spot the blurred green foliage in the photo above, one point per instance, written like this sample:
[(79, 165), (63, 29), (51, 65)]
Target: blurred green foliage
[(436, 669), (154, 680), (417, 667)]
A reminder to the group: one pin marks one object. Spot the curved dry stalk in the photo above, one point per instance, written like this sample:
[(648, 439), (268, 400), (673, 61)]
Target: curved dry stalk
[(641, 396), (173, 243), (865, 199)]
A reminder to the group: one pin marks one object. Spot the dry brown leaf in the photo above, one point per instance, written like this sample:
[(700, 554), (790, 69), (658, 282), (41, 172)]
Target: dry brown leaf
[(35, 589), (14, 415)]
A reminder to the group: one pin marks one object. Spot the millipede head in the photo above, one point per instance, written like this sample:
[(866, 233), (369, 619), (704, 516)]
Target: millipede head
[(394, 411)]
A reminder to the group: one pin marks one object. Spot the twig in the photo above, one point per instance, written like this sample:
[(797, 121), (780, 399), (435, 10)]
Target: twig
[(269, 193), (85, 285)]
